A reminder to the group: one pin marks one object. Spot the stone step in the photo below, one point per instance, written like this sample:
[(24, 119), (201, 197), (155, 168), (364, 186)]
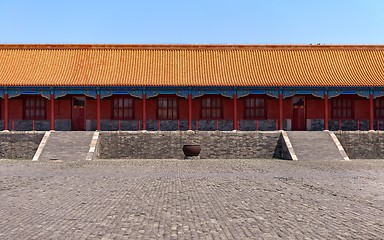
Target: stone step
[(67, 145), (314, 146)]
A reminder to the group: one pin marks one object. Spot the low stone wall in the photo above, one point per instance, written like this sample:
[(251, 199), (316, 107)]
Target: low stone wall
[(152, 125), (182, 125), (362, 144), (39, 125), (63, 125), (335, 125), (348, 125), (19, 145), (167, 125), (29, 125), (378, 125), (261, 125), (168, 145)]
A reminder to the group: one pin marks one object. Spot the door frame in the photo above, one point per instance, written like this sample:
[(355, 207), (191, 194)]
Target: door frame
[(305, 112), (85, 111)]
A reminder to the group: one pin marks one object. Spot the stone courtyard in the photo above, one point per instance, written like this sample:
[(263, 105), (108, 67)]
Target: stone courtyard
[(194, 199)]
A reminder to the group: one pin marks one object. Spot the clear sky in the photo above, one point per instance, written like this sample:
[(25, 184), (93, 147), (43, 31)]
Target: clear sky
[(193, 21)]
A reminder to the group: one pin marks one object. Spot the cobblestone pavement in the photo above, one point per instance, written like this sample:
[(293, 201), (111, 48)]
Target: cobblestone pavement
[(194, 199)]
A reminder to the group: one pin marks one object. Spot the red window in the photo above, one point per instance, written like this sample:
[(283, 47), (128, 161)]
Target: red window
[(255, 108), (34, 108), (122, 108), (379, 108), (167, 108), (211, 108), (342, 108)]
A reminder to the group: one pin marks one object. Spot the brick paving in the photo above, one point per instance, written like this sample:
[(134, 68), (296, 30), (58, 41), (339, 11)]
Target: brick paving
[(194, 199)]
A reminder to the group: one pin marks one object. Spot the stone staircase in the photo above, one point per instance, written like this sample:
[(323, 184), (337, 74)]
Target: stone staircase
[(68, 145), (315, 146)]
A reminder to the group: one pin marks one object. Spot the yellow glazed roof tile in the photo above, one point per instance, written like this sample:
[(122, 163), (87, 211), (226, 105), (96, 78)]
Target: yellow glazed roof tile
[(191, 65)]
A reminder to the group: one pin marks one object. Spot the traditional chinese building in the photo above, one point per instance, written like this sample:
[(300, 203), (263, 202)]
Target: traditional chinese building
[(181, 87)]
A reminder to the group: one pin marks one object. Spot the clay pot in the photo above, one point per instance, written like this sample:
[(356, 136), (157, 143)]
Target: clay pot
[(191, 150)]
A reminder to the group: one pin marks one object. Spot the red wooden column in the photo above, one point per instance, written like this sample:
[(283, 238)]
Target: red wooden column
[(6, 116), (325, 111), (189, 111), (235, 127), (52, 102), (144, 117), (280, 111), (371, 111), (98, 111)]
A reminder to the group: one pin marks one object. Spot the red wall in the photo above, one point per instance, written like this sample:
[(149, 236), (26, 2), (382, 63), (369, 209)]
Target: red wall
[(15, 109), (105, 104), (90, 111), (196, 103), (315, 108), (151, 108), (183, 109), (287, 108), (63, 109), (362, 109), (273, 108)]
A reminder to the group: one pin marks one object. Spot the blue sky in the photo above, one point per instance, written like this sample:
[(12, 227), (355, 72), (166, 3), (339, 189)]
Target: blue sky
[(195, 22)]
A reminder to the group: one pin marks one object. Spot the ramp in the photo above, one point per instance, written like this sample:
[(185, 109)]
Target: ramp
[(316, 146), (67, 145)]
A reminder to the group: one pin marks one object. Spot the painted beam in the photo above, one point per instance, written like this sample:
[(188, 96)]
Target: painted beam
[(183, 91)]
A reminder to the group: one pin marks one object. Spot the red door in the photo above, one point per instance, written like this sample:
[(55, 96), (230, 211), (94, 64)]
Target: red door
[(298, 121), (78, 114)]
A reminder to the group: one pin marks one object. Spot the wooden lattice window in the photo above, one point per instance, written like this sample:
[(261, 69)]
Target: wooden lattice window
[(255, 108), (342, 108), (211, 108), (167, 108), (122, 108), (34, 108)]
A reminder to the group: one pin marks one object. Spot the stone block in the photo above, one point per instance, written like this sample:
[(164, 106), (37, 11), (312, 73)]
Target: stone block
[(362, 144), (19, 145)]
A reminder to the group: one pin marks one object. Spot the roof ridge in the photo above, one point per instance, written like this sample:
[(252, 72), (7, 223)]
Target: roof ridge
[(194, 46)]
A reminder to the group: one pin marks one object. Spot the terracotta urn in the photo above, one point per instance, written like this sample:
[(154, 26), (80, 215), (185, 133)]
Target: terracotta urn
[(191, 150)]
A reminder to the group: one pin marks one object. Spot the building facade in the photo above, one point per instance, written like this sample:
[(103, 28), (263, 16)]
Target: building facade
[(191, 87)]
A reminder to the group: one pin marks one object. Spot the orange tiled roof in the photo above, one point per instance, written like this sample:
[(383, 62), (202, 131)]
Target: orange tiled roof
[(192, 65)]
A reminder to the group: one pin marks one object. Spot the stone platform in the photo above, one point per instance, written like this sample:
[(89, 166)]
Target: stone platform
[(67, 145)]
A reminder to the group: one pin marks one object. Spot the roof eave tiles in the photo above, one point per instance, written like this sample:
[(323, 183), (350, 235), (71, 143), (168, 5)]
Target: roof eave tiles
[(191, 65)]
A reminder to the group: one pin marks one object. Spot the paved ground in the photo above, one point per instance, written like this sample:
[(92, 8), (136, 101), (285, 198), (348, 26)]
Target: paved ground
[(196, 199)]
